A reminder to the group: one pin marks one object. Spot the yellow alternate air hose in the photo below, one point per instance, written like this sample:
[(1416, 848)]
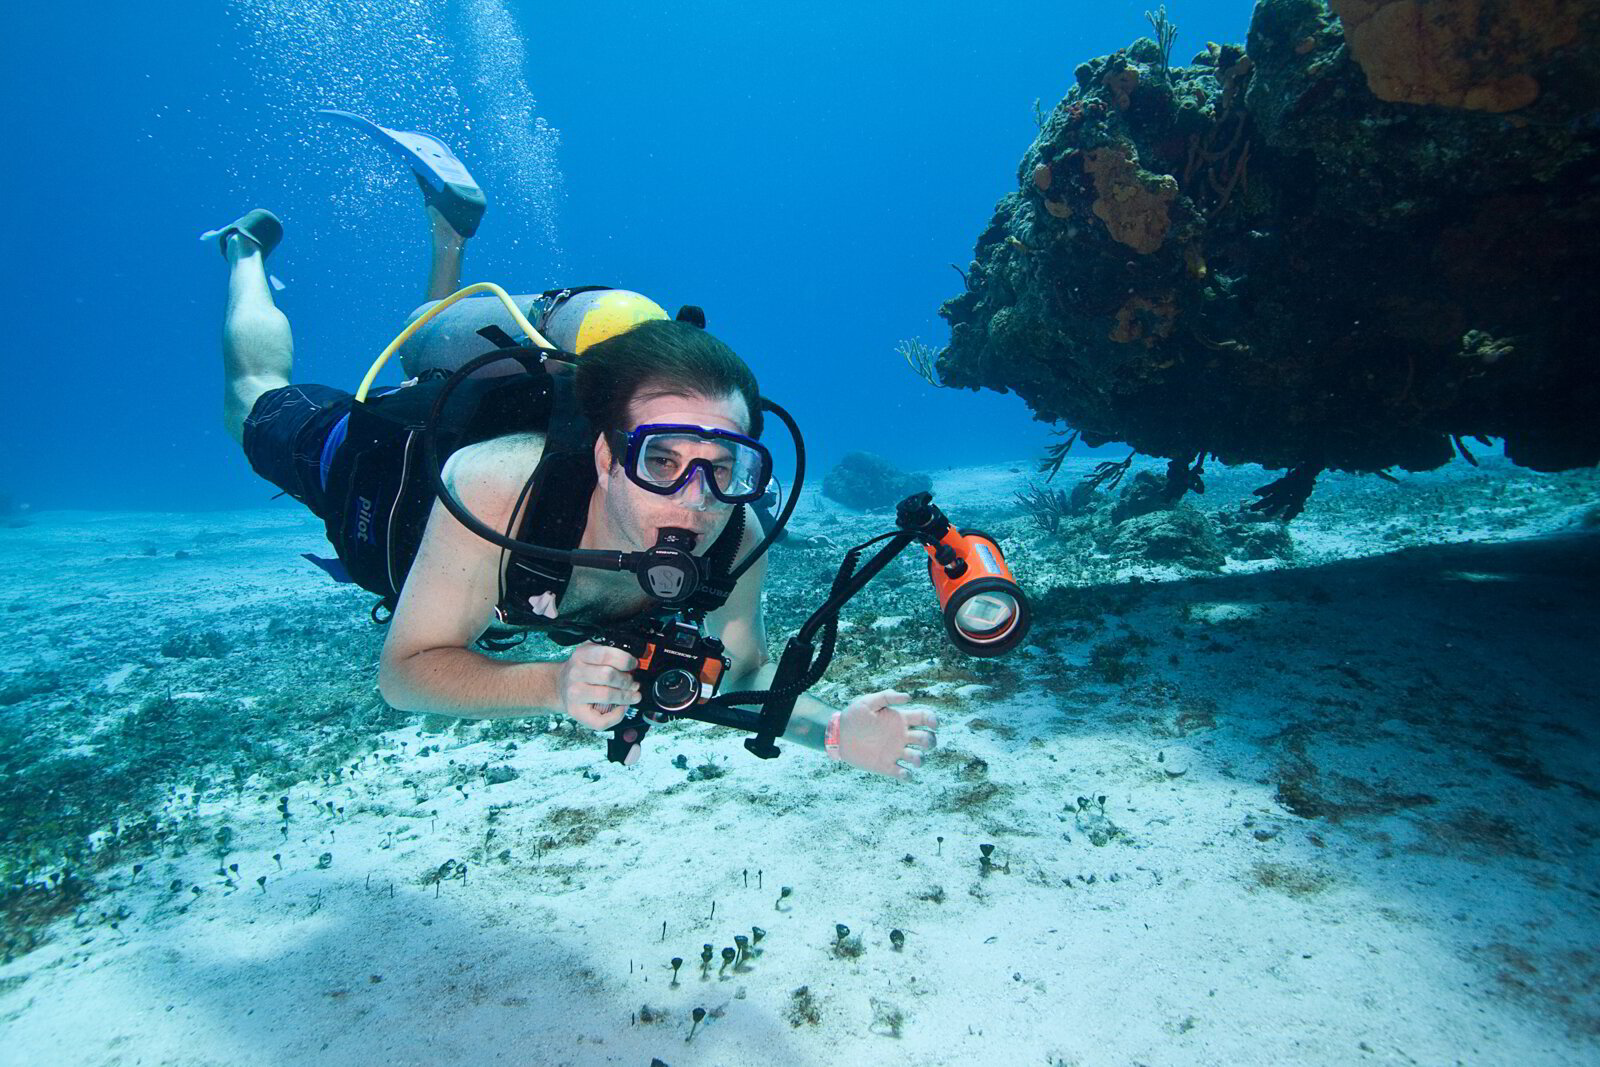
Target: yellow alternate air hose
[(405, 335)]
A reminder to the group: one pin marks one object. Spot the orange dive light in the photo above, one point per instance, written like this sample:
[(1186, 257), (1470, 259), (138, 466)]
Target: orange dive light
[(985, 612)]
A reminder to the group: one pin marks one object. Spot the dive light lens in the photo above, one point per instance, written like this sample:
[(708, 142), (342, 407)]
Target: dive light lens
[(985, 615)]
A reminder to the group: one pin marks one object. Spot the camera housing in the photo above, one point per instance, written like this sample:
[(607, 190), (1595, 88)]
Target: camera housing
[(679, 666)]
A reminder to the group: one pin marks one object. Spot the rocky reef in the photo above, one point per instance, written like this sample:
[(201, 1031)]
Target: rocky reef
[(1355, 243), (869, 482)]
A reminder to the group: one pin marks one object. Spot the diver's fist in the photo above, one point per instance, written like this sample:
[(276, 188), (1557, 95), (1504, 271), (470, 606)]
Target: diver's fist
[(876, 737), (596, 686)]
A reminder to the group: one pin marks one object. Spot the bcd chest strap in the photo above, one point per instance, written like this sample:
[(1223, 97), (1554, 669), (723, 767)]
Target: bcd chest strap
[(378, 496)]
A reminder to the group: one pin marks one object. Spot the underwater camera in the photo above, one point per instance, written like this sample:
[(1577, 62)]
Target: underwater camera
[(679, 666)]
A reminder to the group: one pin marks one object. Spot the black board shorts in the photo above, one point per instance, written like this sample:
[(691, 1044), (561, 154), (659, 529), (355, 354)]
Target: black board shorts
[(290, 439)]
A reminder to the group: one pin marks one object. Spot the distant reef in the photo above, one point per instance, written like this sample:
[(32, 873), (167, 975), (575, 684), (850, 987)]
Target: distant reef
[(1366, 237)]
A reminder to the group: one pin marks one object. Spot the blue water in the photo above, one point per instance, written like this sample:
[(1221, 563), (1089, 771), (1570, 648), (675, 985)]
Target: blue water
[(807, 173)]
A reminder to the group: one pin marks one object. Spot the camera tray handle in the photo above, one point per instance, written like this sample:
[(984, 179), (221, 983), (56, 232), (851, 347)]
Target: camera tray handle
[(796, 670)]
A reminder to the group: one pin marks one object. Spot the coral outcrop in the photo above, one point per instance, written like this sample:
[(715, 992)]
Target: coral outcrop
[(1482, 55), (1358, 241), (867, 481)]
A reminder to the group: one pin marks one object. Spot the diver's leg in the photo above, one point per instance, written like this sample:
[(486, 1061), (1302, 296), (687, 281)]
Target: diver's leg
[(257, 347), (444, 268)]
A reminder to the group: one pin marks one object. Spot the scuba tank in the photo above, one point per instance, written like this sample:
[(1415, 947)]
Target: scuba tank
[(571, 319), (452, 337)]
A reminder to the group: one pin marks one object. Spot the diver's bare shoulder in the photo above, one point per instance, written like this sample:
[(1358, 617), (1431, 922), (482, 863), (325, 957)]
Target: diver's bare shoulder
[(488, 476)]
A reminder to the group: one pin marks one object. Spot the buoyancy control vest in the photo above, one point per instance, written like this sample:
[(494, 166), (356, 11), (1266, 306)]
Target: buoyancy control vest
[(379, 496)]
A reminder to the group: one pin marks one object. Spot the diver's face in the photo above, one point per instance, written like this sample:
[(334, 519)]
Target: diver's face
[(637, 515)]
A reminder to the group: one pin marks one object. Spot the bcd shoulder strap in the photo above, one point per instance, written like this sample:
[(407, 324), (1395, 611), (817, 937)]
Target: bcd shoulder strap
[(558, 510), (379, 497)]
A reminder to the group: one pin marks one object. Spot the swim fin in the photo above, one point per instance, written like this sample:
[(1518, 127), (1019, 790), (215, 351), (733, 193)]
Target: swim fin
[(446, 184), (260, 225)]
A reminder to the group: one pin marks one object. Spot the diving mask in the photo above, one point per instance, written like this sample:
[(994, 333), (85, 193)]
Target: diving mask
[(662, 458)]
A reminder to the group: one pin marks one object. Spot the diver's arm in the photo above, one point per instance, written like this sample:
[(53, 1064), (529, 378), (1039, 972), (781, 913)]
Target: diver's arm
[(808, 723), (449, 596), (871, 734), (460, 682), (742, 629)]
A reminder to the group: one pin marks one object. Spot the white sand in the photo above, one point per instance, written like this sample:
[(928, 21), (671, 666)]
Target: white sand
[(1429, 709)]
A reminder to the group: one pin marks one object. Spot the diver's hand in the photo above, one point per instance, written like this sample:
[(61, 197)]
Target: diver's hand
[(877, 737), (596, 688)]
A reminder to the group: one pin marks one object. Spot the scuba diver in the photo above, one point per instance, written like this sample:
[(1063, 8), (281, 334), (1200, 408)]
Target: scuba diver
[(639, 537)]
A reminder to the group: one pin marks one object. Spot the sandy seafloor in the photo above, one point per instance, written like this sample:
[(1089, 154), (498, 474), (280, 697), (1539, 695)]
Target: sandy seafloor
[(1350, 812)]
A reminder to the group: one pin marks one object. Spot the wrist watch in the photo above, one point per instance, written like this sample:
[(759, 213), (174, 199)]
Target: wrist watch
[(830, 737)]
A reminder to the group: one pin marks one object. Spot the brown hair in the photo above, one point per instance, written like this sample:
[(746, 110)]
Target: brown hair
[(659, 358)]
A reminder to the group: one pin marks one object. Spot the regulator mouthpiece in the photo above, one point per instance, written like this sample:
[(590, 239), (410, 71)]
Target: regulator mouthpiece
[(669, 571)]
